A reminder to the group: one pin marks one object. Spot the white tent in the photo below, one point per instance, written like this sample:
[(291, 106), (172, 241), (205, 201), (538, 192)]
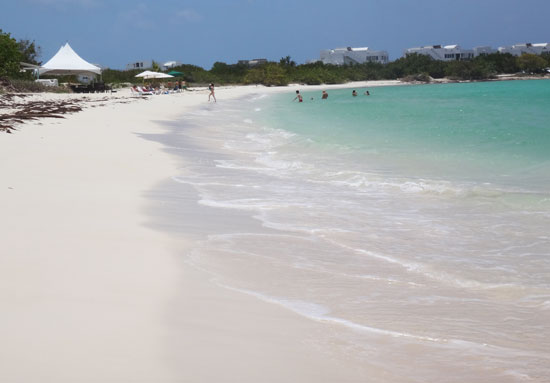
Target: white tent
[(66, 62)]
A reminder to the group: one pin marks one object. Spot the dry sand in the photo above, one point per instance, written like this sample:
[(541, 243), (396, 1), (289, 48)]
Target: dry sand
[(90, 293)]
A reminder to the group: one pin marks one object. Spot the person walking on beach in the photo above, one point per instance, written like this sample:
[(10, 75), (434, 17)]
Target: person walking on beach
[(324, 96), (211, 89), (298, 97)]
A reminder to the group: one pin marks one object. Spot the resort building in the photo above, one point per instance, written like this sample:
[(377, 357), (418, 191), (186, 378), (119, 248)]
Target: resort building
[(171, 64), (140, 65), (341, 56), (148, 64), (519, 49), (482, 51), (443, 53), (254, 62)]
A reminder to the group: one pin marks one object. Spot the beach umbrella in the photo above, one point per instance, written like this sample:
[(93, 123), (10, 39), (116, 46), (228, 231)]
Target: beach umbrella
[(162, 75), (146, 74), (175, 73), (150, 74)]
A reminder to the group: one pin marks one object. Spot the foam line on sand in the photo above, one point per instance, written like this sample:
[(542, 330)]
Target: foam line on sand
[(90, 293)]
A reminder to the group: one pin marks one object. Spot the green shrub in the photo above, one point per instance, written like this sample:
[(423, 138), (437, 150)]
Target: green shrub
[(531, 63), (9, 56)]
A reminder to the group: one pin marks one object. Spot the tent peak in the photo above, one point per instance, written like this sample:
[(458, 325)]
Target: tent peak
[(67, 61)]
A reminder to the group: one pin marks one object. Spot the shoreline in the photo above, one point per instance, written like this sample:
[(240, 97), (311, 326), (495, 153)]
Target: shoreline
[(89, 288), (96, 276), (257, 271)]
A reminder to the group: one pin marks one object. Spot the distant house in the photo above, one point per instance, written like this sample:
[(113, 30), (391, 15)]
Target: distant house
[(170, 64), (519, 49), (443, 53), (349, 55), (483, 51), (148, 64), (84, 79), (253, 62)]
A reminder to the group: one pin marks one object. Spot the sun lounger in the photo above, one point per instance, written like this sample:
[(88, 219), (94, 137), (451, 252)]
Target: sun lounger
[(143, 92)]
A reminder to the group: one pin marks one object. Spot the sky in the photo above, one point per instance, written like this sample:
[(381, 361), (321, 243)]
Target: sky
[(113, 33)]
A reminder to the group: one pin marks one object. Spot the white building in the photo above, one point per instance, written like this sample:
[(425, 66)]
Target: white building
[(84, 78), (519, 49), (443, 53), (253, 62), (341, 56), (485, 50), (140, 65), (170, 64)]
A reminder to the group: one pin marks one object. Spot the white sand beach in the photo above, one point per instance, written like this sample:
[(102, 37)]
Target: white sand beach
[(169, 239), (352, 205), (91, 293)]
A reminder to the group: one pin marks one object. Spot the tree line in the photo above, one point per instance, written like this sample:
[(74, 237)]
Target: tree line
[(412, 67), (285, 71), (12, 52)]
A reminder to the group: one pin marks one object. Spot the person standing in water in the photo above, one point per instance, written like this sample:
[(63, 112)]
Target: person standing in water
[(211, 89), (354, 93), (324, 96), (298, 97)]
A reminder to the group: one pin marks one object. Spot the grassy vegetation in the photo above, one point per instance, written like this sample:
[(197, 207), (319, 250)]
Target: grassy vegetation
[(28, 86)]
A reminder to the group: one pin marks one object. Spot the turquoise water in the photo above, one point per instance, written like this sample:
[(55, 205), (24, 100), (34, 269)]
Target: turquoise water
[(413, 223), (483, 132)]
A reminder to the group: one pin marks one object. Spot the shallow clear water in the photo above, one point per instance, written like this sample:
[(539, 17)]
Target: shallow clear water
[(413, 222), (485, 132)]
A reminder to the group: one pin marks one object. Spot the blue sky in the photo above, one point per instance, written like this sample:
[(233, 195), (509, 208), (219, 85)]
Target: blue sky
[(115, 32)]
